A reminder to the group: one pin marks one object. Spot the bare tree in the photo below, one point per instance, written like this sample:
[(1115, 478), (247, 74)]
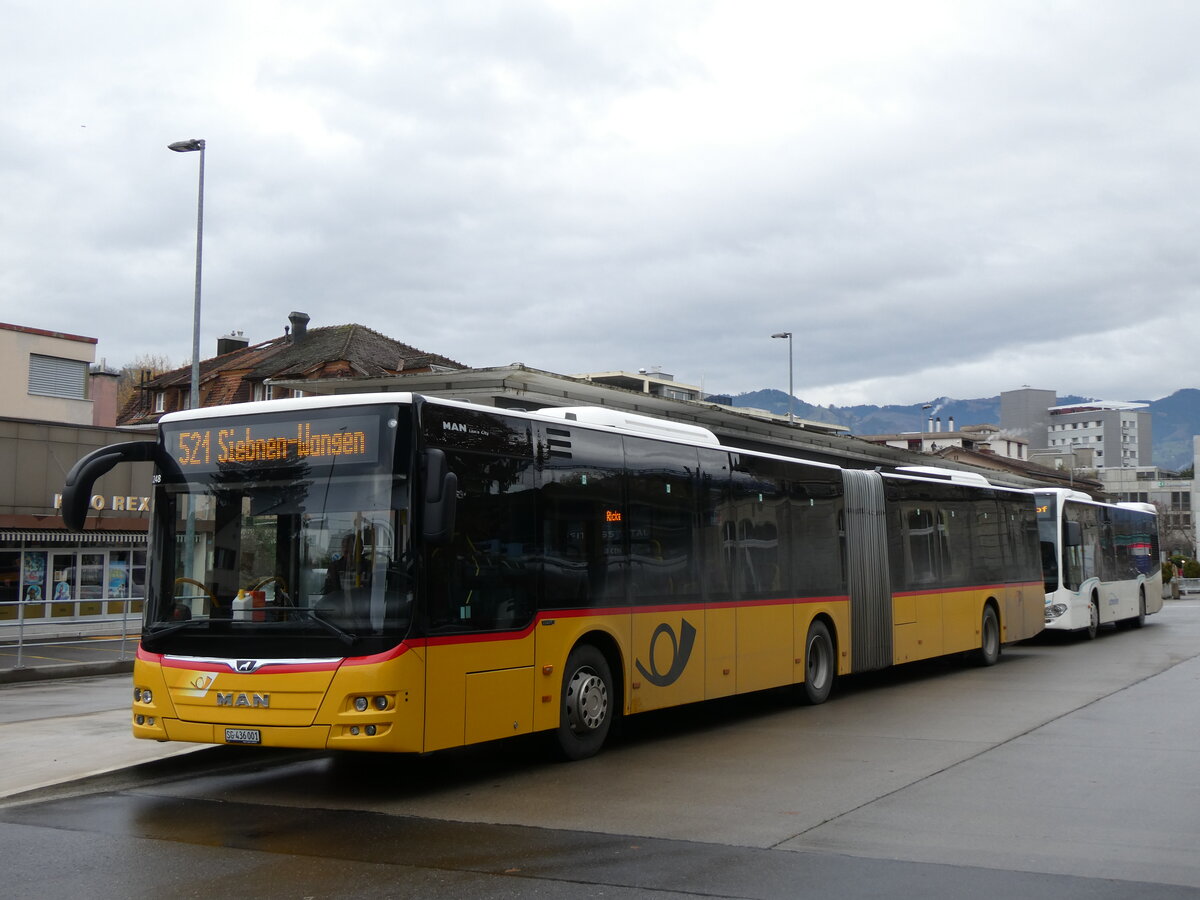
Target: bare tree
[(141, 368), (1174, 532)]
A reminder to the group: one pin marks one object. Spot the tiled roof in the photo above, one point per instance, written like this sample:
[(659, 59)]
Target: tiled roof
[(332, 351)]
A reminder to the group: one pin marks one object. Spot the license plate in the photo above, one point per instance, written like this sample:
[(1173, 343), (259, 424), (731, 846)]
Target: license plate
[(243, 736)]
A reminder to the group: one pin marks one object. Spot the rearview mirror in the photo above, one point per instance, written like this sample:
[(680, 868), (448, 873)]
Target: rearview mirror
[(77, 491), (440, 496)]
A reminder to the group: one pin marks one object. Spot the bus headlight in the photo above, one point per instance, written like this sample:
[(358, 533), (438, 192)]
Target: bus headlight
[(360, 704), (1054, 610)]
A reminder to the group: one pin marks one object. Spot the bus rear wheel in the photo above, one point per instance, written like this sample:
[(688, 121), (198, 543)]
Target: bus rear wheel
[(988, 653), (820, 665), (1093, 625), (586, 710)]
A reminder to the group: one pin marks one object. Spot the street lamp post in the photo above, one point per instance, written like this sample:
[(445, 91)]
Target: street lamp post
[(190, 535), (791, 371), (187, 147)]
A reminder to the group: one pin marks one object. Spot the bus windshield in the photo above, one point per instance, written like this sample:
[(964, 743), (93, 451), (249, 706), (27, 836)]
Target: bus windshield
[(1047, 518), (282, 535)]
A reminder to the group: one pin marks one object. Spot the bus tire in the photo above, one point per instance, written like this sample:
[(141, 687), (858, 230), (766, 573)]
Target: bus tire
[(1140, 619), (586, 706), (1093, 625), (820, 665), (988, 653)]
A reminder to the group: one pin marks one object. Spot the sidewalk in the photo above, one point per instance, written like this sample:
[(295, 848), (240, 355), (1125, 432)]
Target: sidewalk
[(60, 730), (74, 658)]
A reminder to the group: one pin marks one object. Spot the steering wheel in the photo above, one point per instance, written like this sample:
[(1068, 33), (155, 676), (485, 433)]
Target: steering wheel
[(192, 581)]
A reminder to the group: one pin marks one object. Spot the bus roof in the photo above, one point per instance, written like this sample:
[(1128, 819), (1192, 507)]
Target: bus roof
[(616, 418), (952, 475), (259, 407)]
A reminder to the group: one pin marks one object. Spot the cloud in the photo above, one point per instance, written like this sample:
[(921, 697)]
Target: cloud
[(937, 199)]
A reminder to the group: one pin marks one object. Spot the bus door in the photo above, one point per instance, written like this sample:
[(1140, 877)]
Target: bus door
[(763, 587), (583, 523), (664, 583), (482, 590), (917, 600), (717, 531)]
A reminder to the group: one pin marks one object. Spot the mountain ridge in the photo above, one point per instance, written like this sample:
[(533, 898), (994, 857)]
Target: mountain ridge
[(1174, 418)]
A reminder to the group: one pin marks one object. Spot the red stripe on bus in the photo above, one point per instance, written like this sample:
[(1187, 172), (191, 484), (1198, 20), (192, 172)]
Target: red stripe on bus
[(971, 587)]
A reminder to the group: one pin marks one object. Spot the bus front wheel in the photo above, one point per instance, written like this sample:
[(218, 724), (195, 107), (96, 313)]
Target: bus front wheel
[(820, 664), (1140, 619), (586, 710)]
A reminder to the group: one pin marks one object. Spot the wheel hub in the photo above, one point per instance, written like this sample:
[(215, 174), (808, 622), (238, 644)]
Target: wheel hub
[(587, 701)]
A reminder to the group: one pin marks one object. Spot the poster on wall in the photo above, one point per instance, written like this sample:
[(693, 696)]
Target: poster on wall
[(118, 581), (33, 582)]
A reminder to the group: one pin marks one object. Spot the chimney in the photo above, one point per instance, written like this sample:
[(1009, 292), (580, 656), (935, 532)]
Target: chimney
[(937, 424), (299, 322), (102, 389), (235, 340), (951, 427)]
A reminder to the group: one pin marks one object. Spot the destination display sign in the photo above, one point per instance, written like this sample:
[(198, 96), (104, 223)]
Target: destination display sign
[(204, 447)]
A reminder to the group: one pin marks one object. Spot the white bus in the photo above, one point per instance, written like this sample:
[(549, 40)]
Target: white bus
[(1100, 561)]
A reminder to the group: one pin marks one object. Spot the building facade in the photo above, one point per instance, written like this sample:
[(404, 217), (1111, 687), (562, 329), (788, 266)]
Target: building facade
[(1118, 433), (980, 438), (279, 367), (50, 376), (1171, 495), (55, 407), (1025, 413), (1115, 432)]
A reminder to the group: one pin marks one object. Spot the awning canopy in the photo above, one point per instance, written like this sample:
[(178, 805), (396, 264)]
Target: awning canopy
[(50, 536)]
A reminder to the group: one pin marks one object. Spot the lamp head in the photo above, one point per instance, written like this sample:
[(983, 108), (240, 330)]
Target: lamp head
[(186, 146)]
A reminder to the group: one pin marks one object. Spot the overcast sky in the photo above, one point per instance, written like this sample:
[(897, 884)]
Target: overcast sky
[(936, 198)]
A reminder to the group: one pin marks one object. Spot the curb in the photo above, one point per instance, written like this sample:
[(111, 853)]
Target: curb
[(65, 670)]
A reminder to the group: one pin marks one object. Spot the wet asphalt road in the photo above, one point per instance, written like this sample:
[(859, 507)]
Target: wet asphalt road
[(1072, 769)]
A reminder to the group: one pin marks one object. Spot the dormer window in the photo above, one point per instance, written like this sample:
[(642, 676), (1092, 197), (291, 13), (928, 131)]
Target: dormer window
[(160, 401)]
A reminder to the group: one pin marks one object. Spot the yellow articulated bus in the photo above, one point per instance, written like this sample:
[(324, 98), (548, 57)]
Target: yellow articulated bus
[(391, 572)]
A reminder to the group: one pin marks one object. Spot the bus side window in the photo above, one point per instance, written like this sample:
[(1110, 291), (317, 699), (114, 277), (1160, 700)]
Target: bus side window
[(662, 510), (583, 518), (485, 577)]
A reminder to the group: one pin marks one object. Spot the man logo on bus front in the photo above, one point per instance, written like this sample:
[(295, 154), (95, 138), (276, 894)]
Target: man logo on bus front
[(681, 652)]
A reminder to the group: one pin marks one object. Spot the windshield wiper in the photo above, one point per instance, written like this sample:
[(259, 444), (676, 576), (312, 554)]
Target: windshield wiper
[(344, 636), (174, 627)]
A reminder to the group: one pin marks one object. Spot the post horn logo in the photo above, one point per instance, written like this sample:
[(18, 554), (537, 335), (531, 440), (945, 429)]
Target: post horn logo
[(681, 652)]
